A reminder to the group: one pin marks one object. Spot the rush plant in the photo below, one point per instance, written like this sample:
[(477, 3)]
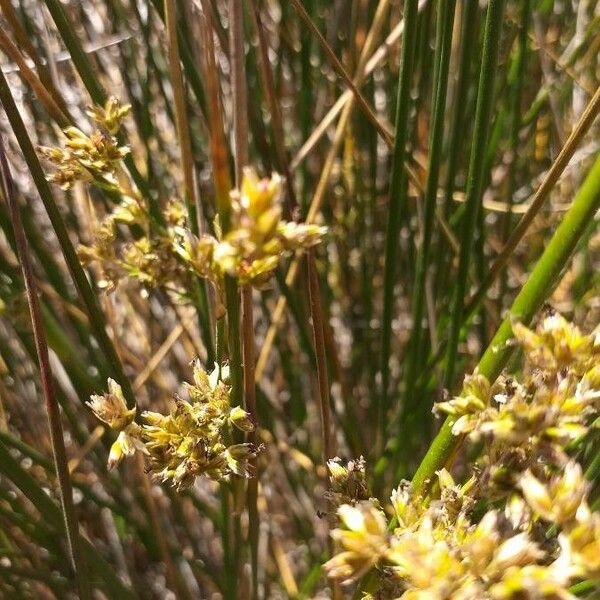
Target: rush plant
[(299, 299)]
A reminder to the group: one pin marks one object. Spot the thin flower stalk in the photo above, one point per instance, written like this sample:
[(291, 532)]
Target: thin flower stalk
[(240, 118), (397, 205), (475, 177)]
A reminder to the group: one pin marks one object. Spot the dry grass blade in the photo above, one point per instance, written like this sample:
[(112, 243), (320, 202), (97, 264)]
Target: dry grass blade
[(368, 111), (539, 198)]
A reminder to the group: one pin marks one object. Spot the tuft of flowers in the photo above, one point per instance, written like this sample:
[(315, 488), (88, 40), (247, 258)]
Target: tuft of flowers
[(149, 259), (110, 408), (257, 239), (95, 156), (521, 527), (194, 440), (250, 250), (528, 423)]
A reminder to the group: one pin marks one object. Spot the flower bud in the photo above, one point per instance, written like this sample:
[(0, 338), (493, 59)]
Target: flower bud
[(111, 408), (241, 419)]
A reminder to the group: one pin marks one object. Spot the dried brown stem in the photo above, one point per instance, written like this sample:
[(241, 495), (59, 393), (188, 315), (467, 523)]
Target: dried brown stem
[(316, 312)]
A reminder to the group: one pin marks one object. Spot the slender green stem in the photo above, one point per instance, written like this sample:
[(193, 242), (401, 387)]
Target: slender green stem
[(475, 178), (240, 119), (469, 17), (540, 284), (220, 159), (397, 203), (518, 73), (24, 42), (250, 405), (443, 47), (537, 202)]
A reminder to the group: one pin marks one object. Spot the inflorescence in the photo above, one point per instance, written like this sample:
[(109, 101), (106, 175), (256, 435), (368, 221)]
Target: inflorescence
[(169, 252), (195, 439), (521, 527)]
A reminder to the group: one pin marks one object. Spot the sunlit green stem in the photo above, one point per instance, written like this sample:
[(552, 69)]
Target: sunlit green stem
[(538, 287)]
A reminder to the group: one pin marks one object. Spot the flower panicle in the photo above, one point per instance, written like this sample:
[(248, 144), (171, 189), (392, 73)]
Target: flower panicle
[(192, 440), (521, 526), (257, 239), (96, 156)]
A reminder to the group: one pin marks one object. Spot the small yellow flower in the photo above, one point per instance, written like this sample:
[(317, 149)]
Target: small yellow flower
[(531, 581), (111, 407), (259, 195), (125, 445), (558, 500), (111, 115), (241, 419), (363, 540)]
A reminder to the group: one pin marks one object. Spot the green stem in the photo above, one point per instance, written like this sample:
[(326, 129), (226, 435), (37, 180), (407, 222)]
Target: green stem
[(475, 178), (515, 125), (442, 60), (469, 18), (540, 284), (397, 203)]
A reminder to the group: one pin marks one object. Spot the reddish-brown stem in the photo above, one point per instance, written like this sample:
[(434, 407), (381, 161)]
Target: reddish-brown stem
[(52, 407), (316, 312)]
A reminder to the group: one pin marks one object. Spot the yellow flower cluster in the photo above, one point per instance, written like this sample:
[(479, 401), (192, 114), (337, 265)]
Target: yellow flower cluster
[(521, 528), (249, 251), (193, 440), (441, 552), (148, 259), (94, 156), (524, 423), (257, 239)]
